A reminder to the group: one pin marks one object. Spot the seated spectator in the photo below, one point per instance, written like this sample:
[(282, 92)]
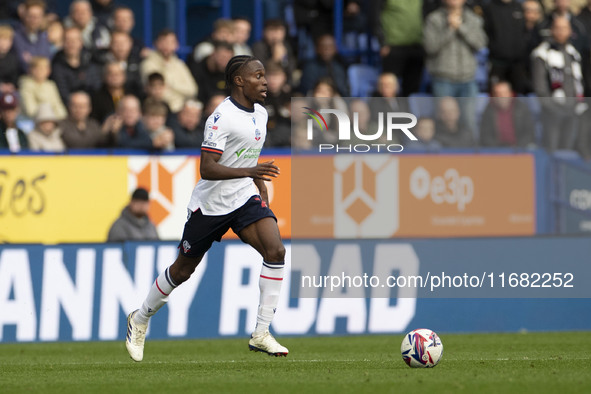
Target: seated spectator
[(385, 99), (450, 132), (79, 131), (11, 136), (30, 39), (155, 90), (325, 64), (46, 136), (326, 96), (154, 121), (134, 223), (120, 51), (105, 100), (73, 68), (55, 36), (223, 30), (558, 80), (36, 88), (275, 48), (241, 30), (102, 11), (9, 64), (186, 125), (94, 35), (126, 122), (425, 133), (506, 121), (210, 72), (278, 105), (124, 22), (210, 107), (365, 125), (180, 85)]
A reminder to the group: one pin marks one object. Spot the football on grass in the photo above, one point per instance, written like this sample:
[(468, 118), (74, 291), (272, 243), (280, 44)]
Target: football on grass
[(421, 348)]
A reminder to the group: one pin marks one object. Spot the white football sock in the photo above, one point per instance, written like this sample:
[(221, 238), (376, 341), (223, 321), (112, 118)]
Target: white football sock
[(157, 297), (270, 286)]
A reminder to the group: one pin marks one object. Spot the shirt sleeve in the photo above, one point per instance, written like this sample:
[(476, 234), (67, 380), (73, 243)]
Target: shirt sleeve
[(215, 135)]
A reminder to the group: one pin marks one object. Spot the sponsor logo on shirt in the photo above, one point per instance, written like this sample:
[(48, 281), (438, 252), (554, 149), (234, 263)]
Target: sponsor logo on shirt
[(250, 153), (209, 143)]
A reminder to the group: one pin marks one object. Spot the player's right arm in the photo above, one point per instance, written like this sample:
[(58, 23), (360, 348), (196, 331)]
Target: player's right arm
[(211, 170)]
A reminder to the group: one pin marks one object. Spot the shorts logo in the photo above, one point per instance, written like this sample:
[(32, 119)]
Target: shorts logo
[(257, 134), (186, 246)]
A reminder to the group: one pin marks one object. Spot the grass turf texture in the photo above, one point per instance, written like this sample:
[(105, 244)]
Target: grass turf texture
[(474, 363)]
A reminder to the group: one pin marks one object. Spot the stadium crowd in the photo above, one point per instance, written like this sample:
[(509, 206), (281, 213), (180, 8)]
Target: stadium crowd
[(81, 81)]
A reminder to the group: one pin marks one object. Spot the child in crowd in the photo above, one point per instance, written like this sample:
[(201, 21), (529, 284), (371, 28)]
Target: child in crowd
[(36, 88), (154, 121), (46, 136)]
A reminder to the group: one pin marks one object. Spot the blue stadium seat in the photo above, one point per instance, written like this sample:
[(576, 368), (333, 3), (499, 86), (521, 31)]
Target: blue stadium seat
[(422, 105), (362, 79)]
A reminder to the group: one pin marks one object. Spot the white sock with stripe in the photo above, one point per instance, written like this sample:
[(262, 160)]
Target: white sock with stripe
[(157, 297), (270, 286)]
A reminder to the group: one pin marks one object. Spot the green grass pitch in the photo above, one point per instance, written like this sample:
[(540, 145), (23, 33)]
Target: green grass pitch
[(472, 363)]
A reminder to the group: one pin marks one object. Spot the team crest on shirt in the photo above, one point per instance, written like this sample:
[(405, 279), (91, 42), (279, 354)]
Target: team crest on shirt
[(257, 134)]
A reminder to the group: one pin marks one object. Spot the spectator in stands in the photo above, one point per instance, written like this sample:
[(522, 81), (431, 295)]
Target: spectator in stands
[(30, 39), (558, 81), (210, 72), (126, 122), (9, 63), (134, 223), (102, 10), (274, 47), (425, 133), (385, 98), (155, 89), (36, 88), (325, 64), (314, 17), (154, 120), (55, 36), (365, 124), (506, 121), (398, 26), (241, 30), (46, 136), (452, 35), (73, 68), (223, 30), (79, 131), (94, 35), (450, 131), (186, 125), (11, 136), (124, 22), (210, 106), (278, 105), (585, 18), (326, 96), (180, 85), (120, 52), (578, 37), (105, 100), (505, 25)]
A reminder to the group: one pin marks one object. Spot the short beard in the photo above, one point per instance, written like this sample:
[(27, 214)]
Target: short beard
[(255, 101)]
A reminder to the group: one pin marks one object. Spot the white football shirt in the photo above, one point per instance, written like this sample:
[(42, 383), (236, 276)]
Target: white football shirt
[(238, 134)]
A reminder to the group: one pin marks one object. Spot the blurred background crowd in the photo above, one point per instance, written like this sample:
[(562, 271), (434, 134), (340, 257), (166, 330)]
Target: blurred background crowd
[(477, 73)]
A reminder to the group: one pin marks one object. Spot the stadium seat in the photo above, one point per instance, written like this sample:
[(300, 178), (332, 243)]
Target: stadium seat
[(422, 105), (362, 79)]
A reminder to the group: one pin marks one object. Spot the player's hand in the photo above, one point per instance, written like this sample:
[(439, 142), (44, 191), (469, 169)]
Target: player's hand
[(265, 170)]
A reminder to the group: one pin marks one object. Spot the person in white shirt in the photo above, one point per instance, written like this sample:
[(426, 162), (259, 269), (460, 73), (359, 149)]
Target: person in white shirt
[(230, 194)]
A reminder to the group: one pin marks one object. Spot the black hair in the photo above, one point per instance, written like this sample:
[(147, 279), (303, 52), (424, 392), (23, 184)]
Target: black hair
[(155, 77), (234, 66)]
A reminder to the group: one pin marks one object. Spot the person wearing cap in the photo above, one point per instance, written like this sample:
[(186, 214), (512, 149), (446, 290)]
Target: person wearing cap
[(134, 223), (47, 136), (11, 136)]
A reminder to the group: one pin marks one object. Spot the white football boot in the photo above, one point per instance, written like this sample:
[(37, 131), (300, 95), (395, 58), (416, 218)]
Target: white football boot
[(136, 335), (267, 344)]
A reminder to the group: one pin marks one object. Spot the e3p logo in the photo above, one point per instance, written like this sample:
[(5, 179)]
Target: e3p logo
[(344, 130)]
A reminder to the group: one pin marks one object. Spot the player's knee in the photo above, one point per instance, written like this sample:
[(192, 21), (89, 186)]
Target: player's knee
[(276, 254)]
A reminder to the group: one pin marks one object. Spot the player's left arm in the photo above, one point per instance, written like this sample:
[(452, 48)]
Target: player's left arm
[(260, 184)]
